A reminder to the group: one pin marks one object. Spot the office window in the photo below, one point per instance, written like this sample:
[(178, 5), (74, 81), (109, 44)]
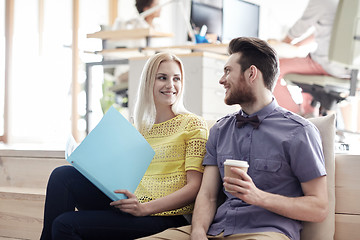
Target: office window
[(40, 94), (2, 65), (41, 72)]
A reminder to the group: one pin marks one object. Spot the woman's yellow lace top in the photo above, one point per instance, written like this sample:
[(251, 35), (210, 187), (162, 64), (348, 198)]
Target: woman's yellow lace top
[(179, 146)]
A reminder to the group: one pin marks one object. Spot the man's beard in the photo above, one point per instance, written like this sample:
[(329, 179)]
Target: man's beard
[(241, 95)]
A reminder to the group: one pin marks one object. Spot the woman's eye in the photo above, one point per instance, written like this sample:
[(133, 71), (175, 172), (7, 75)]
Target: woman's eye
[(176, 79), (162, 78)]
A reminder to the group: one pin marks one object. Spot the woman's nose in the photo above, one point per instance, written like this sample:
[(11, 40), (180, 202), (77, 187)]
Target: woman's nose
[(170, 83)]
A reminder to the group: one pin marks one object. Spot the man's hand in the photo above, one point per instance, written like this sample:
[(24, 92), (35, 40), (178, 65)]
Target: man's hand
[(130, 205), (243, 187), (312, 207)]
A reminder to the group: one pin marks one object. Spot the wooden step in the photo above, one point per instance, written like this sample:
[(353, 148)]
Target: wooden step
[(21, 212), (23, 179), (28, 168)]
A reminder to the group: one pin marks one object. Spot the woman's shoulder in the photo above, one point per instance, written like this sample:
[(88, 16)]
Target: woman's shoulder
[(192, 121)]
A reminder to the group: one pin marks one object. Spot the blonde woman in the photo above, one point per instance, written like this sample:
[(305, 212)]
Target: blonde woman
[(168, 189)]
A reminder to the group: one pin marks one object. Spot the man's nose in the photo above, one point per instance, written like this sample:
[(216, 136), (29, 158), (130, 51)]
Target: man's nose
[(222, 79)]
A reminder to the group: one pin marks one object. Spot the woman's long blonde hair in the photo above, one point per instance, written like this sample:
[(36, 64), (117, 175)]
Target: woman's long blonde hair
[(145, 111)]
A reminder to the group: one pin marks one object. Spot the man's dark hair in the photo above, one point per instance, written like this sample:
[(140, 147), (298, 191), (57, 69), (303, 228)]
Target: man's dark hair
[(257, 52), (141, 4)]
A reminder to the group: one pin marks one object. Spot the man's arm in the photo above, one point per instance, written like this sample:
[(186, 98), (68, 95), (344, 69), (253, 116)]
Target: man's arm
[(312, 207), (206, 203)]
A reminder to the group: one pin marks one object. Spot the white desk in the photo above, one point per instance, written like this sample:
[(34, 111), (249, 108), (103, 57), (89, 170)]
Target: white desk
[(139, 33)]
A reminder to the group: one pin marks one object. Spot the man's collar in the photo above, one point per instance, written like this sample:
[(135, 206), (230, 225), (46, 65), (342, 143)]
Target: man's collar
[(264, 112)]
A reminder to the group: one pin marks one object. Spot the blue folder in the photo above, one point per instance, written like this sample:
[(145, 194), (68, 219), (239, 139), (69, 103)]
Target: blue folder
[(113, 156)]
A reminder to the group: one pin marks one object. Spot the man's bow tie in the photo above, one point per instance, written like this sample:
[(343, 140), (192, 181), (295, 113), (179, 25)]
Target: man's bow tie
[(241, 121)]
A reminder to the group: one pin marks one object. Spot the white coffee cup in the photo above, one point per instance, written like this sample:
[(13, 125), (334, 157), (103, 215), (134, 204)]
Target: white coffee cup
[(229, 163)]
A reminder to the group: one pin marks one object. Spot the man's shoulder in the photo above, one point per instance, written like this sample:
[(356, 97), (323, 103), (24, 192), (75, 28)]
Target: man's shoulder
[(225, 119), (292, 117)]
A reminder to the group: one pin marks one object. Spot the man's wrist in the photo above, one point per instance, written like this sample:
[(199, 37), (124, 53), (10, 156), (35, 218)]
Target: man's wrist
[(198, 233)]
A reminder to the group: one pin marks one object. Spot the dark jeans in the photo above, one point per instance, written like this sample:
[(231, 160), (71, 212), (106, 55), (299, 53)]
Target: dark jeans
[(95, 219)]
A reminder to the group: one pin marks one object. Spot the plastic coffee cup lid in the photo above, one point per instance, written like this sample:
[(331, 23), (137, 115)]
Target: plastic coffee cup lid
[(236, 163)]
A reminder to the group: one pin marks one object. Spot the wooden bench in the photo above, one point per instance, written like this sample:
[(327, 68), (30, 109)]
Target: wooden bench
[(347, 192), (24, 175)]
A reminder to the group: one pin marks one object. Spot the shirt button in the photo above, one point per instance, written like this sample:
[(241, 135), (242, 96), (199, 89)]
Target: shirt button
[(248, 135), (265, 167)]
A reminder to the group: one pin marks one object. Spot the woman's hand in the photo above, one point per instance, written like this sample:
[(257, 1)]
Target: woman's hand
[(130, 205), (177, 199)]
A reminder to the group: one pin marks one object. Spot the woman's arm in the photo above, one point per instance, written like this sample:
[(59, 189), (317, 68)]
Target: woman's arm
[(177, 199), (194, 135)]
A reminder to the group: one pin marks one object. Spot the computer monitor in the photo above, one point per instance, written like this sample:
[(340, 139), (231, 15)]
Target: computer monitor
[(240, 19), (206, 14), (229, 19)]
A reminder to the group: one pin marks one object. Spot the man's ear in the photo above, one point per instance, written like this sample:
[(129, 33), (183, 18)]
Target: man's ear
[(253, 72)]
